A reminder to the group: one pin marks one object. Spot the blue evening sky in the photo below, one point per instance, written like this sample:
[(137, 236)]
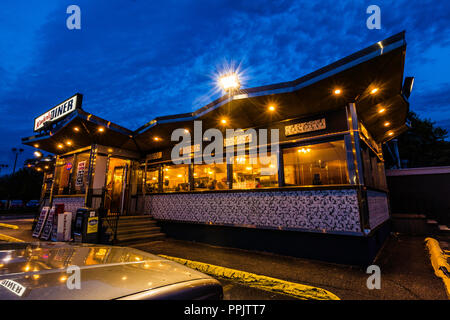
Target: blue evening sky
[(134, 60)]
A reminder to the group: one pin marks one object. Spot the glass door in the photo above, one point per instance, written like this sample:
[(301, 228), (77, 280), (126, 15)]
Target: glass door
[(116, 195)]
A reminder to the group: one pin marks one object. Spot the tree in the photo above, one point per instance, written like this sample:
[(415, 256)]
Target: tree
[(424, 144), (25, 184)]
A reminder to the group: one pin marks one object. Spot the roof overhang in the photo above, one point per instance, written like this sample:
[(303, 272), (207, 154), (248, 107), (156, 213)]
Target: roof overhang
[(379, 66), (81, 129)]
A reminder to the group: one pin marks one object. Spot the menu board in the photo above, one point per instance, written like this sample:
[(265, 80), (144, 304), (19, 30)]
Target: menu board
[(41, 221)]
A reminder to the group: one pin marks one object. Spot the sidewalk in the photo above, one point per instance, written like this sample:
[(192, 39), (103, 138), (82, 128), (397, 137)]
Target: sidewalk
[(406, 271)]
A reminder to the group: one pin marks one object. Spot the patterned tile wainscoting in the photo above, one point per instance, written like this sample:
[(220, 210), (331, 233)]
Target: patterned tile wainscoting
[(318, 210), (378, 208), (70, 203)]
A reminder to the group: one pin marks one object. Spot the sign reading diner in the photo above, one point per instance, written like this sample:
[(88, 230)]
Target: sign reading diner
[(303, 127), (61, 110)]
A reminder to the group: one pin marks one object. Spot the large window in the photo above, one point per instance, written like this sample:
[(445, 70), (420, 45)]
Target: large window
[(80, 173), (72, 174), (374, 175), (176, 178), (248, 175), (152, 180), (317, 164), (63, 171), (210, 176)]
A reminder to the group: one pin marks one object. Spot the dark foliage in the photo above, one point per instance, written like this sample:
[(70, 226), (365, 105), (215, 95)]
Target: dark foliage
[(24, 185), (424, 144)]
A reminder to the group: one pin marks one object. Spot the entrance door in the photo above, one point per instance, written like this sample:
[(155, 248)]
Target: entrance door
[(118, 188), (116, 200)]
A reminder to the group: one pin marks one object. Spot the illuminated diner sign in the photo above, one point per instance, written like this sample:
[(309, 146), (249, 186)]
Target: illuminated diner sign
[(61, 110), (304, 127)]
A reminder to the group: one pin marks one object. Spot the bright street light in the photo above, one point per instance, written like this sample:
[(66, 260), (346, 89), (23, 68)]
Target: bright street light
[(229, 82), (37, 154)]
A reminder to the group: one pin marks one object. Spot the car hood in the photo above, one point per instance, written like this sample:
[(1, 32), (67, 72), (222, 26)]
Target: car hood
[(45, 270)]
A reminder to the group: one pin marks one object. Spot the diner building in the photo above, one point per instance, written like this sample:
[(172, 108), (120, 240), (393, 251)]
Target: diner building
[(319, 192)]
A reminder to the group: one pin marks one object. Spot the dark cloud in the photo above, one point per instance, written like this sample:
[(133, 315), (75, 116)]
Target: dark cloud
[(134, 60)]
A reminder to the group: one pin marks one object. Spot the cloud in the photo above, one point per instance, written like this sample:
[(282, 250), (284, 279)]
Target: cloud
[(134, 60)]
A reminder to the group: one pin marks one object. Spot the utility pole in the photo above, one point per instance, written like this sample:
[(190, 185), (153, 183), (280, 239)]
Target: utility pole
[(17, 152)]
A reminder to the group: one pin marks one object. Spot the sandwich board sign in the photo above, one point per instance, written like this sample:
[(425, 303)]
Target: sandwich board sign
[(47, 230), (41, 222)]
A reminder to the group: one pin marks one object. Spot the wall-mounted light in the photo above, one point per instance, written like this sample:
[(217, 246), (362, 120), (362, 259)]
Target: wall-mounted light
[(304, 150)]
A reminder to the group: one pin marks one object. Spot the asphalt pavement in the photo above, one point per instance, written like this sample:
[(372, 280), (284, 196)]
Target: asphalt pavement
[(406, 271)]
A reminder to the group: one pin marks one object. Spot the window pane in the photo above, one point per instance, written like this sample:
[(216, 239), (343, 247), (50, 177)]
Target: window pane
[(176, 178), (152, 180), (210, 177), (247, 175), (374, 175), (80, 173), (317, 164), (64, 167)]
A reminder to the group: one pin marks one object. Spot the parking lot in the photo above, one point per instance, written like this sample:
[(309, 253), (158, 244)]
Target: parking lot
[(406, 271)]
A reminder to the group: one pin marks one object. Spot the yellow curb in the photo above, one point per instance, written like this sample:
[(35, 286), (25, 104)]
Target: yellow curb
[(438, 260), (11, 226), (4, 237), (299, 291)]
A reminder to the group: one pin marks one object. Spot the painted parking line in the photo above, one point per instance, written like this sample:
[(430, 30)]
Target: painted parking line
[(10, 226), (4, 237), (439, 262), (297, 290)]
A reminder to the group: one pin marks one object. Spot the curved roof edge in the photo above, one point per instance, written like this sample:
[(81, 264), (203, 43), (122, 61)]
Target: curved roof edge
[(377, 49)]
